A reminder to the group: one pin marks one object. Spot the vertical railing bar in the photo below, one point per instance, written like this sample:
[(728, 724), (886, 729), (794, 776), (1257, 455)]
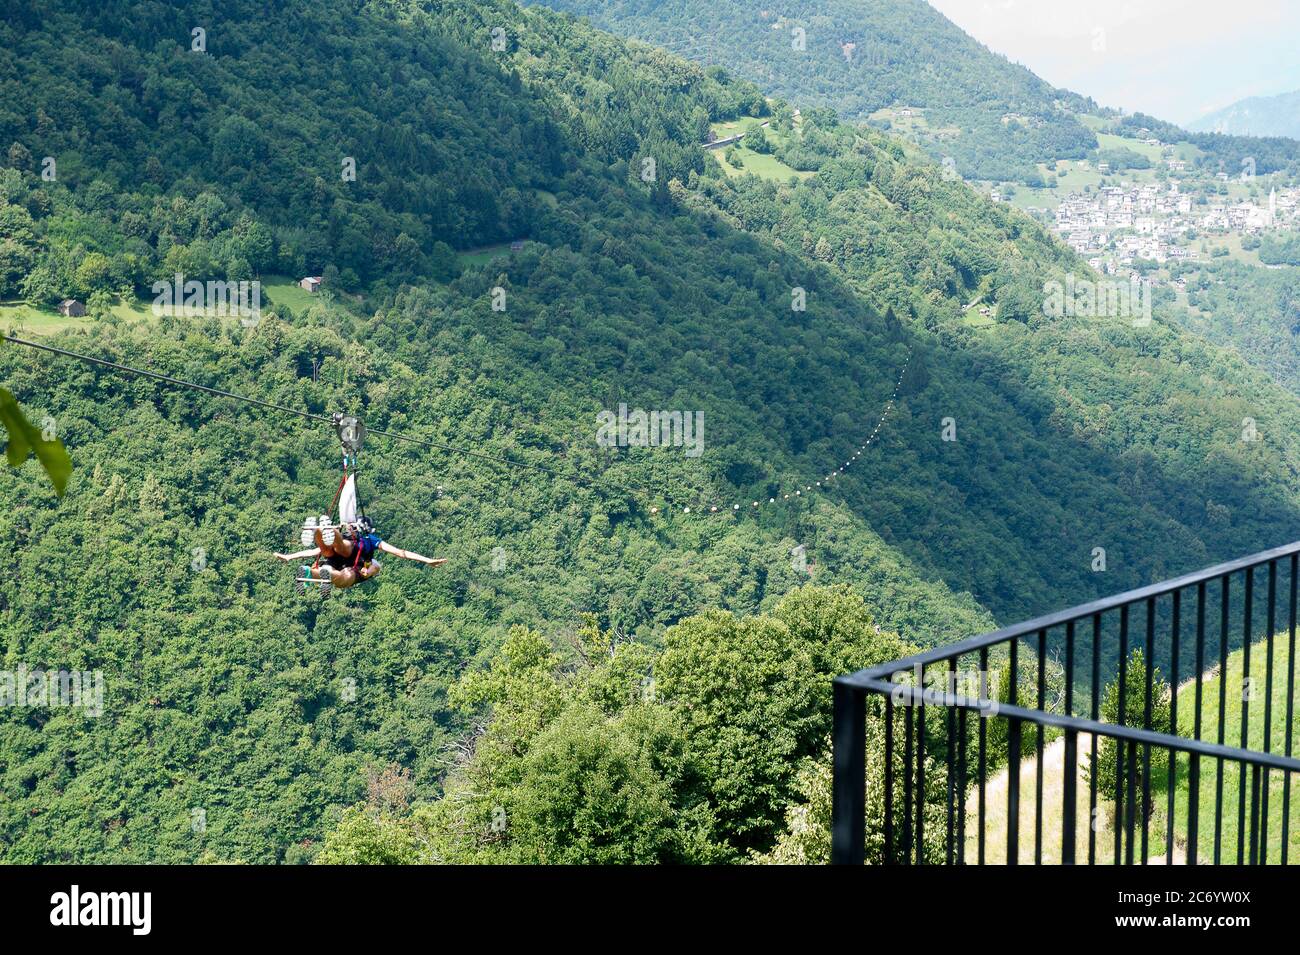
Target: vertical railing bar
[(1200, 655), (1146, 724), (962, 734), (950, 732), (1268, 671), (1013, 759), (1268, 707), (1290, 705), (1223, 713), (1133, 807), (1254, 812), (920, 770), (983, 754), (1248, 608), (1013, 691), (1119, 744), (849, 775), (1262, 772), (1092, 765), (1193, 806), (1069, 668), (889, 779), (1038, 749), (1172, 765), (1013, 792), (1194, 781), (1069, 711), (908, 711), (1069, 807)]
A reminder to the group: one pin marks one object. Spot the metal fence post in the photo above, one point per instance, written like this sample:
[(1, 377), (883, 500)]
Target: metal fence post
[(849, 753)]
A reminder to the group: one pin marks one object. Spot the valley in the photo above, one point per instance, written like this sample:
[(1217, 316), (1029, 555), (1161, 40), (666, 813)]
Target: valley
[(513, 227)]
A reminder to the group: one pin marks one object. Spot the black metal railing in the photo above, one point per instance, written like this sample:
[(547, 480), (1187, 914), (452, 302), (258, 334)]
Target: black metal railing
[(914, 788)]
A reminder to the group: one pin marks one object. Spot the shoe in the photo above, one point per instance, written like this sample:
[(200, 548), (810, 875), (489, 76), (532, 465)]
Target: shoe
[(309, 532)]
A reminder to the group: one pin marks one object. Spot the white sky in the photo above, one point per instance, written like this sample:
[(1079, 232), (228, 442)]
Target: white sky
[(1174, 59)]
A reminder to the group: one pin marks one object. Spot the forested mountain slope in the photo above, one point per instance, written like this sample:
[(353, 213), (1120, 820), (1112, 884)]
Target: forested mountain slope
[(227, 692), (1254, 310), (995, 118)]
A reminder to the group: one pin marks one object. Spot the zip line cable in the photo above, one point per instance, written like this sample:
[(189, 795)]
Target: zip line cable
[(328, 419), (284, 409), (814, 488)]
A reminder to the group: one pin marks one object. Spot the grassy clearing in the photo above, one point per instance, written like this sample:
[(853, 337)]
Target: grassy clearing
[(763, 165), (916, 126), (48, 321), (1230, 822), (37, 321), (277, 290), (1234, 687), (995, 826), (285, 291), (1231, 242), (996, 817), (483, 254), (733, 127), (1108, 141)]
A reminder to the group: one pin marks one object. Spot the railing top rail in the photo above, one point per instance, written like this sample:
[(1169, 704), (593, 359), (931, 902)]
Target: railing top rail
[(1081, 612), (1131, 734)]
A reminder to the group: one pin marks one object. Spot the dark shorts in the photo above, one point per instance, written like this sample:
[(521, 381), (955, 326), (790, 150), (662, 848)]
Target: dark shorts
[(344, 563)]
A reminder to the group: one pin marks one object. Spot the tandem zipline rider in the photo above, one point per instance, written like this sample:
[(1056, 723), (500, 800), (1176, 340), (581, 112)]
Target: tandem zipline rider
[(345, 550)]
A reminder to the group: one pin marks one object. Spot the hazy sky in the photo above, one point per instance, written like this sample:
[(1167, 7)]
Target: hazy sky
[(1175, 59)]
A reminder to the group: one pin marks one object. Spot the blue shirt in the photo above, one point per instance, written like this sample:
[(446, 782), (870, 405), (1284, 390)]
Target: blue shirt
[(369, 543)]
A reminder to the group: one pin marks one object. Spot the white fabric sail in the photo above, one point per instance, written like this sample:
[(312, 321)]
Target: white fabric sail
[(348, 501)]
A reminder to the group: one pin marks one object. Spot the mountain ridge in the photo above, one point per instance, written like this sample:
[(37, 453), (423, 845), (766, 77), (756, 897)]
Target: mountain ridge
[(1277, 115)]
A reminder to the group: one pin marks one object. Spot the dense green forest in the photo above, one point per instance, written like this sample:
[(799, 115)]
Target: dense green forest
[(995, 119), (1280, 250), (1254, 310), (271, 712), (692, 753)]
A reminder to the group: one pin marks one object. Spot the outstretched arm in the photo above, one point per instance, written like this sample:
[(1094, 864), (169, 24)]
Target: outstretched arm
[(388, 548), (314, 552)]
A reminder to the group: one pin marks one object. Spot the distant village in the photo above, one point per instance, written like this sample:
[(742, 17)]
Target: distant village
[(1117, 225)]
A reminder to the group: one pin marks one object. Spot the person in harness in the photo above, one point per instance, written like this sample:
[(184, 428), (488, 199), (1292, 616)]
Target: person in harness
[(346, 555)]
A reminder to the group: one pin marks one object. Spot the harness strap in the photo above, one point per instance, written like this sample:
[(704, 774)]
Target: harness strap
[(342, 481)]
